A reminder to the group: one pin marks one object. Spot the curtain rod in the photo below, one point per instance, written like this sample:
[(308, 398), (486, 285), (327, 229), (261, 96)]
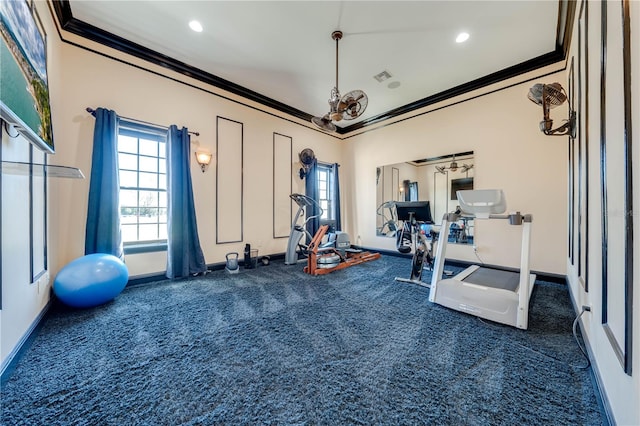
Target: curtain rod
[(93, 112)]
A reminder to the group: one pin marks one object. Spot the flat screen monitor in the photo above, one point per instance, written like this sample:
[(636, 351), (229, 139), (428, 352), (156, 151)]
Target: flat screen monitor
[(421, 210), (331, 223)]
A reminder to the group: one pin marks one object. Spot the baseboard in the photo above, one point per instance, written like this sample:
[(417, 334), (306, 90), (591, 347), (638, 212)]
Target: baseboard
[(218, 266), (596, 377), (9, 364), (541, 275)]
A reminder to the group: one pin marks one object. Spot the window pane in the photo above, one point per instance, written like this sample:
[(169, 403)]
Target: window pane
[(148, 199), (128, 198), (162, 199), (162, 181), (162, 166), (128, 179), (148, 147), (148, 232), (127, 144), (129, 233), (128, 215), (148, 164), (127, 161), (148, 180), (161, 150), (162, 232), (150, 216)]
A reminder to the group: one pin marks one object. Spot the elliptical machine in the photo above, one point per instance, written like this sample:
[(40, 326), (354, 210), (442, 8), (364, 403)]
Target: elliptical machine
[(299, 230)]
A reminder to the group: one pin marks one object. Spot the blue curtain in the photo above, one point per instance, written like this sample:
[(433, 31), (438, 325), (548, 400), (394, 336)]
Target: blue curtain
[(184, 254), (336, 196), (311, 190), (102, 233)]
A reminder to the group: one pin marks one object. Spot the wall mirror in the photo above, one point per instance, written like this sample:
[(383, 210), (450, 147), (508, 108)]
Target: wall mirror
[(429, 179)]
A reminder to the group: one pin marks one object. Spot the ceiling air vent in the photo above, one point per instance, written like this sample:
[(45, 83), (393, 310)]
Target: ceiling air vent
[(384, 75)]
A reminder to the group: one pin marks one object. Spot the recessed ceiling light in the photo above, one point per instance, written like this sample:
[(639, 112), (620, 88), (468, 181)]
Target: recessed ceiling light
[(462, 37), (195, 26)]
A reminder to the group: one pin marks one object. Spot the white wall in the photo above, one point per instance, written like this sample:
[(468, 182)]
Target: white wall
[(92, 80), (621, 391), (23, 299), (510, 153)]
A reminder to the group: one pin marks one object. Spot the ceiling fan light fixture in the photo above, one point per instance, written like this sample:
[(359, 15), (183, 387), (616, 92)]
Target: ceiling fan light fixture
[(347, 107)]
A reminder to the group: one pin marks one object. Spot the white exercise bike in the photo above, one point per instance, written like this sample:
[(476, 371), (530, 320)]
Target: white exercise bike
[(412, 236)]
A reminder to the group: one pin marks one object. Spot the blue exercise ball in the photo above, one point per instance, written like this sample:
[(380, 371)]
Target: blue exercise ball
[(91, 280)]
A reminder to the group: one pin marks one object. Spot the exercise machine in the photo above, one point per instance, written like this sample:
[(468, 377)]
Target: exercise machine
[(324, 258), (416, 216), (389, 225), (494, 294), (299, 230)]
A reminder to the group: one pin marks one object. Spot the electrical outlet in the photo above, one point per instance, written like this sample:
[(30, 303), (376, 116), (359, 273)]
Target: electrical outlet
[(586, 308)]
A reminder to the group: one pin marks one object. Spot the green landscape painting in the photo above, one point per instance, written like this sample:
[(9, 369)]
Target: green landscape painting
[(24, 92)]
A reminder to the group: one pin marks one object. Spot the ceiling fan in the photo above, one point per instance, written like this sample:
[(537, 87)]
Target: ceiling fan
[(454, 166), (347, 107)]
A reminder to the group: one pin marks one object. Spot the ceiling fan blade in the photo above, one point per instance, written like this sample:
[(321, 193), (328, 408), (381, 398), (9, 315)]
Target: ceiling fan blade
[(353, 104), (324, 123)]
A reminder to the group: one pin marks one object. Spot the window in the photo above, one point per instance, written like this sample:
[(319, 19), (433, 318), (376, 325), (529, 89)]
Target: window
[(143, 184), (326, 192)]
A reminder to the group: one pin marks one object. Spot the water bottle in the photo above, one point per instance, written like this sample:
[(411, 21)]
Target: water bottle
[(247, 257)]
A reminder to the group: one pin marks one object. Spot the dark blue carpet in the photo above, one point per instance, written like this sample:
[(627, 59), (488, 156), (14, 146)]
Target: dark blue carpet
[(275, 346)]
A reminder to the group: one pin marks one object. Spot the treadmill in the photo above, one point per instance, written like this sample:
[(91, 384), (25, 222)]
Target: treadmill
[(494, 294)]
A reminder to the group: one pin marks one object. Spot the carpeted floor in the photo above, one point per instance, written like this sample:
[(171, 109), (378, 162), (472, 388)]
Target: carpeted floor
[(275, 346)]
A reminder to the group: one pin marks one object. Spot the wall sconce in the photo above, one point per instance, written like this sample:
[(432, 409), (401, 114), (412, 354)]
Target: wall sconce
[(203, 158), (551, 96)]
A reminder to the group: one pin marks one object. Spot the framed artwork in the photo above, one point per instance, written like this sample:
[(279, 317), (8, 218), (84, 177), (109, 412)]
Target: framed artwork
[(24, 90)]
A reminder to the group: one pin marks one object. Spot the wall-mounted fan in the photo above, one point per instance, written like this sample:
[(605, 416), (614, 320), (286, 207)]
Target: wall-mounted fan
[(551, 96), (347, 107), (307, 157)]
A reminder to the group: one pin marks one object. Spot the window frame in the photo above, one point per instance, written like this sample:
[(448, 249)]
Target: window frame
[(326, 169), (146, 132)]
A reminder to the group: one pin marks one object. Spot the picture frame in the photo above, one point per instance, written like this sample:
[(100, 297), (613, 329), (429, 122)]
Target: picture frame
[(24, 89)]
